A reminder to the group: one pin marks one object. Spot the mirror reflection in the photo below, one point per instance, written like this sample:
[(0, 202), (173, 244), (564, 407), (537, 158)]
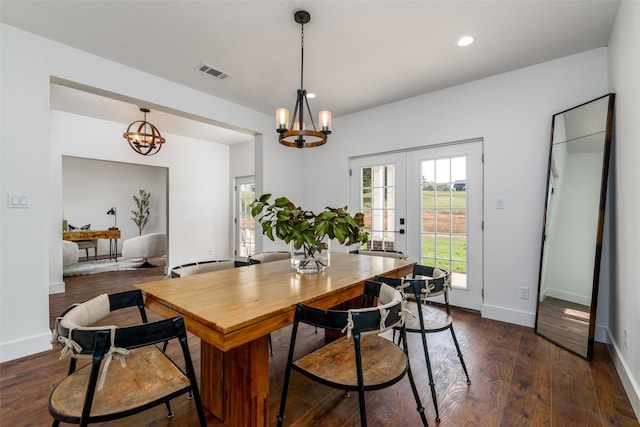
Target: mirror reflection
[(573, 222)]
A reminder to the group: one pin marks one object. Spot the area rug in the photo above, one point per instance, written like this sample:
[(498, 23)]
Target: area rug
[(102, 265)]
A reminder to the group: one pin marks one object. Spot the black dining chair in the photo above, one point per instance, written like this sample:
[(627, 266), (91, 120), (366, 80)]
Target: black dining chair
[(427, 282), (361, 360), (128, 372)]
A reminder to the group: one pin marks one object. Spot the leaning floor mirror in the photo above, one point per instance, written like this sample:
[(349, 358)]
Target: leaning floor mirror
[(573, 225)]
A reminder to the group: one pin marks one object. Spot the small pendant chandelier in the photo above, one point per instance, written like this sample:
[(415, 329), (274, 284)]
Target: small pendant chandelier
[(144, 137), (294, 133)]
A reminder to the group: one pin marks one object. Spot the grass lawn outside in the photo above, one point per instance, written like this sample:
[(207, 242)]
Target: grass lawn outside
[(444, 199), (439, 250)]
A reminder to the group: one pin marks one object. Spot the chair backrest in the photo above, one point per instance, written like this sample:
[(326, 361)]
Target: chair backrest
[(433, 274), (190, 269), (380, 252), (422, 287), (76, 332), (417, 287), (263, 257), (387, 314)]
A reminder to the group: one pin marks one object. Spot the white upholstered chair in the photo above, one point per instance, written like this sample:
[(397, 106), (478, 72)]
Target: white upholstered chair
[(147, 246), (70, 253)]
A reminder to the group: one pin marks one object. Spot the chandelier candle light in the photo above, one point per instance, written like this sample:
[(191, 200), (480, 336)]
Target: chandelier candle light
[(294, 133), (144, 137)]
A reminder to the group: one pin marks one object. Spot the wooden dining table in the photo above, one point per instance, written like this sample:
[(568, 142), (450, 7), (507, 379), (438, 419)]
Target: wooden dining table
[(233, 311)]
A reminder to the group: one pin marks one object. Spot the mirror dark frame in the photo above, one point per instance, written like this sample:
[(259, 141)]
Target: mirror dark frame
[(554, 316)]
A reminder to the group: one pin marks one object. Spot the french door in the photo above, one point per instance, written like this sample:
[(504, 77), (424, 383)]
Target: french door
[(428, 204), (378, 190), (245, 227)]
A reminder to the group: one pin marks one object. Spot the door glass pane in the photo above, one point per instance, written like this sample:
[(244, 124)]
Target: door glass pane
[(428, 248), (428, 221), (246, 228), (444, 215), (443, 221), (377, 203)]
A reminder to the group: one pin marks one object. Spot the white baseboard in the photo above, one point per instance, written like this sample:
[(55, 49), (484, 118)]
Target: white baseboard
[(524, 318), (56, 288), (629, 383), (602, 334), (509, 315), (568, 296), (25, 347)]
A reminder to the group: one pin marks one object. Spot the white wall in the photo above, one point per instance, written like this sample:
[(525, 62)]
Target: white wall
[(242, 159), (30, 163), (198, 181), (242, 165), (571, 251), (91, 187), (512, 112), (624, 274)]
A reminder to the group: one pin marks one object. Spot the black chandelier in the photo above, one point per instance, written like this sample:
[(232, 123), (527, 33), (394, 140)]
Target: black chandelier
[(144, 137), (294, 133)]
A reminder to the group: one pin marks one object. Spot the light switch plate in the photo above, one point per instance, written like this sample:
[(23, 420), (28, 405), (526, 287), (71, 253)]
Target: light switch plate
[(18, 200)]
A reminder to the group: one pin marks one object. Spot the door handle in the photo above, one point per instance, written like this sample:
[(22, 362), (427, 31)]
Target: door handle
[(401, 231)]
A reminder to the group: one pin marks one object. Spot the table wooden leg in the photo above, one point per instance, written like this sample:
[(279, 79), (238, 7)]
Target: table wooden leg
[(235, 384)]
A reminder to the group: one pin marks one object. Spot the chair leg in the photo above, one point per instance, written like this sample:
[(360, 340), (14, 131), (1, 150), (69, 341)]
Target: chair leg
[(169, 412), (432, 383), (420, 408), (363, 409), (464, 367), (55, 423), (287, 375), (271, 353), (283, 399)]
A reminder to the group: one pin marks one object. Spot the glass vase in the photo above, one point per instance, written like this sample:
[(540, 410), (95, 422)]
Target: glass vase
[(305, 262)]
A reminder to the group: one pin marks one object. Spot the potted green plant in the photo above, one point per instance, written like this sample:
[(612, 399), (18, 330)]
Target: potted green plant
[(308, 233), (141, 214)]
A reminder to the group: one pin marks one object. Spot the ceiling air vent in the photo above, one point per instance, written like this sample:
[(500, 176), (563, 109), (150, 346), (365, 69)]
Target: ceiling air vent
[(212, 71)]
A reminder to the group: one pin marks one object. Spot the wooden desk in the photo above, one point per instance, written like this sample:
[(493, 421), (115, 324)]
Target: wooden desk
[(233, 311), (112, 235)]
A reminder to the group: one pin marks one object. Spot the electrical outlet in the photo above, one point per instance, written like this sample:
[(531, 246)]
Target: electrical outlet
[(626, 338), (524, 293)]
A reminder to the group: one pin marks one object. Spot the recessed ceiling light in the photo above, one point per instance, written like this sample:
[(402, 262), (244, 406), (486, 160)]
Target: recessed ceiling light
[(465, 41), (311, 95)]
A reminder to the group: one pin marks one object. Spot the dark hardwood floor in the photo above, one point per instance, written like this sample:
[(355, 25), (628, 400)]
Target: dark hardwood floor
[(518, 378)]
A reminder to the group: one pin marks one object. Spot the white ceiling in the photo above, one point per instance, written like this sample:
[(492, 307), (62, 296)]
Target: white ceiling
[(358, 54)]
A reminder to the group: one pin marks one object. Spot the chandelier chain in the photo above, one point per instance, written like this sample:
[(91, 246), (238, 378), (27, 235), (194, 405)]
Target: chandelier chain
[(301, 62)]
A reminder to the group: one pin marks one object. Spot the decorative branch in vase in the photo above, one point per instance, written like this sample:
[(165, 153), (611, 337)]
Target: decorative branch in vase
[(141, 214), (306, 231)]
